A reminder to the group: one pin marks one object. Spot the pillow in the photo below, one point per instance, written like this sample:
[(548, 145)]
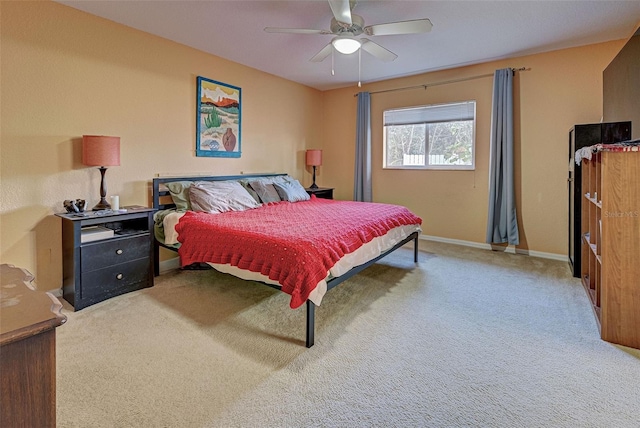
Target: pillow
[(279, 179), (265, 190), (245, 183), (220, 196), (179, 191), (291, 191)]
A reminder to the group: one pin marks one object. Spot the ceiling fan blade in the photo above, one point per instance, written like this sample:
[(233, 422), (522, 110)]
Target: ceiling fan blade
[(378, 51), (325, 52), (402, 27), (296, 30), (341, 10)]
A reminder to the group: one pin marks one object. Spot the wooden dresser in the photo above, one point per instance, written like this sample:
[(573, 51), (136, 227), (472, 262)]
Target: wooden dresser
[(28, 319)]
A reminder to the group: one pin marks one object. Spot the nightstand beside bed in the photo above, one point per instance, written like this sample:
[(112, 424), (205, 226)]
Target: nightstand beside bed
[(106, 254), (321, 192)]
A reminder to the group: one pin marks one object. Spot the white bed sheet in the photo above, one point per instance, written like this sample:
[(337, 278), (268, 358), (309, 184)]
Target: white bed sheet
[(366, 252), (169, 223)]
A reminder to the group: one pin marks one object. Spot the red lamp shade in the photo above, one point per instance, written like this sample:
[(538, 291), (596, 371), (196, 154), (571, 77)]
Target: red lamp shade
[(100, 150), (314, 157)]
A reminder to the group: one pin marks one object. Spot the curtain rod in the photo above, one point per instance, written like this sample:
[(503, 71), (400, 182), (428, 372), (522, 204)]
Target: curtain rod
[(446, 82)]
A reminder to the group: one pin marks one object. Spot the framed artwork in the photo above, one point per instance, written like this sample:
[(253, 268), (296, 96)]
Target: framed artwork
[(218, 118)]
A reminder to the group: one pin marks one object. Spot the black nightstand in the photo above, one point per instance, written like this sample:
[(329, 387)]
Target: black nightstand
[(106, 254), (321, 192)]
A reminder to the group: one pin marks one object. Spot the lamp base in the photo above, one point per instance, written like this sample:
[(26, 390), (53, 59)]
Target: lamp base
[(314, 185), (102, 205)]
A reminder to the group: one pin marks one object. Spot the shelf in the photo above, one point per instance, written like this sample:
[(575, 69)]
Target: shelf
[(593, 201), (594, 250), (592, 298), (585, 283), (610, 247), (129, 232)]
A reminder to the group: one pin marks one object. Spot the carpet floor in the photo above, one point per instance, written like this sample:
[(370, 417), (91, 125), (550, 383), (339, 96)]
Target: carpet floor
[(464, 338)]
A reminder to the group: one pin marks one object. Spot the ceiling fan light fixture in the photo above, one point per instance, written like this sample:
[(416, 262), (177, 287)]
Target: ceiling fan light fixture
[(346, 44)]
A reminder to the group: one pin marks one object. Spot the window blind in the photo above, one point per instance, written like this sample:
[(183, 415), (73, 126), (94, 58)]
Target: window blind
[(437, 113)]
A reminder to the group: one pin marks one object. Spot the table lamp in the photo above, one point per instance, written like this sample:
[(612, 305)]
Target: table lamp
[(314, 159), (102, 151)]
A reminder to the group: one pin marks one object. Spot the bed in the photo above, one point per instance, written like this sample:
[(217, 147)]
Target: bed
[(266, 228)]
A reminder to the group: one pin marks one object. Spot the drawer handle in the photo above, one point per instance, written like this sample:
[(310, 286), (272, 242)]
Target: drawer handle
[(119, 276), (119, 251)]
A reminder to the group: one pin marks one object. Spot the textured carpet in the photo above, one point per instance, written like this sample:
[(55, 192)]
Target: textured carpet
[(466, 337)]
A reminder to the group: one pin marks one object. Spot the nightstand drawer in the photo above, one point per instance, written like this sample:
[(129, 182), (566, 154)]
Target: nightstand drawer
[(113, 251), (113, 280)]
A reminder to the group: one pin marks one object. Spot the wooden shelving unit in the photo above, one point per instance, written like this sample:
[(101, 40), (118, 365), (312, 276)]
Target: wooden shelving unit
[(610, 263)]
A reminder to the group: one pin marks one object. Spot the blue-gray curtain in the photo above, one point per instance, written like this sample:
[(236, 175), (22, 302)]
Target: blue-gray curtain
[(362, 178), (502, 225)]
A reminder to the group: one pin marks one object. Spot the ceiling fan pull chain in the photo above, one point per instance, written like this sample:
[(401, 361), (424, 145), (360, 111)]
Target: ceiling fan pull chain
[(333, 72), (359, 67)]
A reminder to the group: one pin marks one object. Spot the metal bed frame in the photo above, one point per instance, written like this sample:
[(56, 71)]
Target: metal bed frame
[(158, 194)]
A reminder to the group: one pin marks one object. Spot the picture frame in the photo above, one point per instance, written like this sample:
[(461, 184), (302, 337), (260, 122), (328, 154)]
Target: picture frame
[(218, 119)]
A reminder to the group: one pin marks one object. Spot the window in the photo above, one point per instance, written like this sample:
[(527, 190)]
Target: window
[(439, 136)]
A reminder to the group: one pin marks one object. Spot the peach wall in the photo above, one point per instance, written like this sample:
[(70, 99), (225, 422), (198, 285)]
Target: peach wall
[(66, 73), (561, 88)]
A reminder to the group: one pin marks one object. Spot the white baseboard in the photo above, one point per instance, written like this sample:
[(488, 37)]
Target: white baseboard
[(509, 249)]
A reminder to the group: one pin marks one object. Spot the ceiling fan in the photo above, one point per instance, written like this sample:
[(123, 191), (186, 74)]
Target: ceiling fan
[(346, 26)]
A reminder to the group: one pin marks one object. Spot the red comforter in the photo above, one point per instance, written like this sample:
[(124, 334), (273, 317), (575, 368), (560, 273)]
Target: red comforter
[(294, 244)]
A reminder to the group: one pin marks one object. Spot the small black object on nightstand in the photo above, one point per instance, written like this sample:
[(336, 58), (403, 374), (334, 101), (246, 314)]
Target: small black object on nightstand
[(321, 192)]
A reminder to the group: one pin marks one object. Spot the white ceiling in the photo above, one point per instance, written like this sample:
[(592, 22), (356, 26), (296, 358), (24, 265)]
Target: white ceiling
[(464, 32)]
